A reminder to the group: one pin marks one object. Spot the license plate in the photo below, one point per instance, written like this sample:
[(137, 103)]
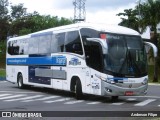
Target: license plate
[(128, 93)]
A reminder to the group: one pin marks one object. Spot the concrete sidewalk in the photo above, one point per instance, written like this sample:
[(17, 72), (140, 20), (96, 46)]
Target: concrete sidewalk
[(158, 84)]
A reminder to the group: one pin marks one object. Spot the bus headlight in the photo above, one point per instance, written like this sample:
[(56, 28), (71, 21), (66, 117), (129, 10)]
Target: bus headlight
[(100, 77), (105, 79), (145, 81)]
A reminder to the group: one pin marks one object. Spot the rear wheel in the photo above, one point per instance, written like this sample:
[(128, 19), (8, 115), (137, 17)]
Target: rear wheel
[(78, 90), (20, 81)]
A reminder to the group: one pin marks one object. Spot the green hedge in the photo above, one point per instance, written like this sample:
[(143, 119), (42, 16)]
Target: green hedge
[(2, 54), (151, 73), (2, 60), (2, 73)]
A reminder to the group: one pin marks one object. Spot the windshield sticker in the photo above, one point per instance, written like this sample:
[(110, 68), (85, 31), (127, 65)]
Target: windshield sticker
[(74, 61)]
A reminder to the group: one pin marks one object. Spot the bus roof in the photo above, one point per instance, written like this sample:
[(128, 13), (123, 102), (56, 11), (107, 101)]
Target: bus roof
[(99, 27)]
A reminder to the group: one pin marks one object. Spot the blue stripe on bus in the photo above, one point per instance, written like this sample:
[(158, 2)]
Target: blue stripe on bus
[(56, 60), (117, 78)]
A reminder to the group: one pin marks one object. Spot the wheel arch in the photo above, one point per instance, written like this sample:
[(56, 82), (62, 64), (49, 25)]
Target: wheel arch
[(73, 82), (18, 75)]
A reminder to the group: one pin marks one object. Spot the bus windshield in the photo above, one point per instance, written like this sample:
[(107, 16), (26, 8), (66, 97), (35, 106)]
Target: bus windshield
[(126, 56)]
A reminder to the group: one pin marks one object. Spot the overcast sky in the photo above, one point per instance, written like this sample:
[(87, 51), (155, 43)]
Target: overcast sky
[(99, 11), (102, 11)]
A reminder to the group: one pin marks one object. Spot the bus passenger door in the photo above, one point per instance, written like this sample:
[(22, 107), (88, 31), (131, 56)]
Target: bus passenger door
[(94, 60)]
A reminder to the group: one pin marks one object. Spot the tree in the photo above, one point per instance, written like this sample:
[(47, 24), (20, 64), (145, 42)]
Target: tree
[(151, 17), (131, 21), (46, 21), (64, 21), (18, 11), (21, 22), (144, 15), (24, 23), (4, 18)]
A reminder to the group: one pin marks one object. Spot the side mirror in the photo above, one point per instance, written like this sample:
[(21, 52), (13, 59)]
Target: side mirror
[(102, 43), (155, 50)]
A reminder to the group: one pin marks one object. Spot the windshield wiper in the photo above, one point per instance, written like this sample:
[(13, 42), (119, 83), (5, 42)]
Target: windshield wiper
[(133, 64), (120, 70)]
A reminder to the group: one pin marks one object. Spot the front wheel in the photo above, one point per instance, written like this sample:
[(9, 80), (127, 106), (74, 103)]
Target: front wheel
[(78, 90), (20, 81), (114, 98)]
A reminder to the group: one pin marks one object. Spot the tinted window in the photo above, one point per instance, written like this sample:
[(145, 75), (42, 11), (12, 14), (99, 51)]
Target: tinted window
[(54, 44), (13, 48), (17, 47), (134, 42), (89, 33), (58, 42), (73, 43), (33, 45), (44, 44)]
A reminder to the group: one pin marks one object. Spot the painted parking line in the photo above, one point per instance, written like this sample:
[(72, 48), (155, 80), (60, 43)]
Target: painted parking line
[(131, 99), (145, 102), (154, 97), (94, 103), (118, 103), (16, 92), (74, 102), (24, 98), (58, 100), (40, 99), (12, 96), (1, 95)]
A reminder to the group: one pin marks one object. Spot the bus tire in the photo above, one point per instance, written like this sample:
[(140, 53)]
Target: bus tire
[(114, 98), (78, 90), (20, 81)]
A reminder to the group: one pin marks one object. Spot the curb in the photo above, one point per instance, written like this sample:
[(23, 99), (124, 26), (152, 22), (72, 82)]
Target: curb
[(2, 78), (154, 84)]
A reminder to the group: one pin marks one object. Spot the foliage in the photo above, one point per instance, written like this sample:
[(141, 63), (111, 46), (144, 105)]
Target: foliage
[(144, 15), (3, 46), (15, 20), (2, 54), (2, 73), (151, 74), (4, 19), (131, 20)]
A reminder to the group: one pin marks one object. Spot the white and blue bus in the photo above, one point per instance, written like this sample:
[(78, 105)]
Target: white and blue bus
[(83, 58)]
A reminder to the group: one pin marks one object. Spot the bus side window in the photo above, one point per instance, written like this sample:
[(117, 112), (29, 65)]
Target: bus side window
[(33, 45), (10, 48), (57, 44), (44, 44), (13, 48), (73, 43)]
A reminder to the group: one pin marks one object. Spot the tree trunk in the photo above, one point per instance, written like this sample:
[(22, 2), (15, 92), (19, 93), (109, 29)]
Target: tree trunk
[(155, 78), (155, 41)]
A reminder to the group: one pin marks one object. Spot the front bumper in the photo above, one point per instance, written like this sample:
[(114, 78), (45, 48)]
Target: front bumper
[(114, 90)]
